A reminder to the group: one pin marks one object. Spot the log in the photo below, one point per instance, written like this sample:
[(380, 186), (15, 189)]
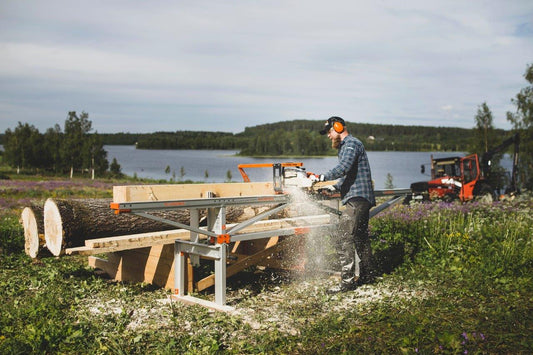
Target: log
[(138, 193), (32, 221), (68, 223)]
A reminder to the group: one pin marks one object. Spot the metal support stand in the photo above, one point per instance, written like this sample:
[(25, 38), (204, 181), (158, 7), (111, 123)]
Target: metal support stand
[(219, 237)]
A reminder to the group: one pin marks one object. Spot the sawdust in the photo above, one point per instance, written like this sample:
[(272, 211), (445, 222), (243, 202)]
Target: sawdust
[(289, 308), (150, 315)]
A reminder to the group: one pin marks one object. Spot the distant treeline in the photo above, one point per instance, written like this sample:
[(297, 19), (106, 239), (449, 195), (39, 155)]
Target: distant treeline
[(301, 137), (174, 140)]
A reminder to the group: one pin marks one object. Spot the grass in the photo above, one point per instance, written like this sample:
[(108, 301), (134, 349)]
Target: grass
[(456, 278)]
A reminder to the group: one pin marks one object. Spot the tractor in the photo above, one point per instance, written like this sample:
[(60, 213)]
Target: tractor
[(467, 178)]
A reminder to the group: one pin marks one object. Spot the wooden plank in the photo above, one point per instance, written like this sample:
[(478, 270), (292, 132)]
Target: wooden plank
[(142, 240), (139, 240), (138, 193), (85, 250)]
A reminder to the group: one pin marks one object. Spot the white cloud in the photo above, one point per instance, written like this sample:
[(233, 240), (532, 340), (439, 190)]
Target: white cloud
[(239, 63)]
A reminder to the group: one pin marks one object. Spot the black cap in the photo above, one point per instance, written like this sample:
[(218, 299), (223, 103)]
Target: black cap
[(329, 124)]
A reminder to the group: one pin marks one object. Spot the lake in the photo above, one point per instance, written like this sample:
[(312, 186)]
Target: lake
[(404, 167)]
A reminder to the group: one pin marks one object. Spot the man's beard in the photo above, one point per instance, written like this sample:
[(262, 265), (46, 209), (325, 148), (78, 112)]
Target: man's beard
[(336, 142)]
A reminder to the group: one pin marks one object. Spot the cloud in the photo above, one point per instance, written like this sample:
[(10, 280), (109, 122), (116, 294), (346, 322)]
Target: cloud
[(163, 64)]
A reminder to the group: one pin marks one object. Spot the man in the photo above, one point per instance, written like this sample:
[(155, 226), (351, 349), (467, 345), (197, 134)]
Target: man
[(357, 194)]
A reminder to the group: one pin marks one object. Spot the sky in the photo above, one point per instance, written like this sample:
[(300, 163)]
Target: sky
[(145, 66)]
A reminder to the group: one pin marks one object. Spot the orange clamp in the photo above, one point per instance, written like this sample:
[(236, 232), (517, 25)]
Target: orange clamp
[(115, 206), (223, 238)]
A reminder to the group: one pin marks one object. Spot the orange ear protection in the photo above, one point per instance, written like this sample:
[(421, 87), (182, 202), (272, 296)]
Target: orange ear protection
[(338, 127)]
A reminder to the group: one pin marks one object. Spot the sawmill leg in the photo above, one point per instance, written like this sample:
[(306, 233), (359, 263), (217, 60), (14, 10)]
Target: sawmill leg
[(220, 275), (220, 263), (184, 250), (180, 269)]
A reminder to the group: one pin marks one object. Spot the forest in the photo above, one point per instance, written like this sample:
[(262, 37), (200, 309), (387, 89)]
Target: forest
[(301, 138), (76, 147), (286, 138)]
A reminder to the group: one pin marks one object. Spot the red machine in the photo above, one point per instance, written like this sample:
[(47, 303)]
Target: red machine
[(467, 178)]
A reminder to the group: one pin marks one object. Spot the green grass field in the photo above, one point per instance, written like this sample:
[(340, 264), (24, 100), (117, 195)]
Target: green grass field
[(456, 279)]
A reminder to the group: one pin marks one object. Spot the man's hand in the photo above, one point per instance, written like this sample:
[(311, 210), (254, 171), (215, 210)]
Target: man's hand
[(328, 190), (315, 177)]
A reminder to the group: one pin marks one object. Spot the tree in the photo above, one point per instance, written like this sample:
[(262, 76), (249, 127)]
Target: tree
[(388, 182), (484, 127), (81, 150), (94, 156), (75, 130), (115, 168), (52, 147), (522, 121), (23, 147)]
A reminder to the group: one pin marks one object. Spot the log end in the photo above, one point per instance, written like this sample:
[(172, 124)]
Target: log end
[(53, 227), (31, 232)]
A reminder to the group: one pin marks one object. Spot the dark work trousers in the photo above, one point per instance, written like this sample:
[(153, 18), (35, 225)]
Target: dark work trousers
[(353, 241)]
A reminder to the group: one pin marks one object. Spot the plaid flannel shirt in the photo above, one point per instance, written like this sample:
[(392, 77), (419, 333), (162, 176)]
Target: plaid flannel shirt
[(353, 171)]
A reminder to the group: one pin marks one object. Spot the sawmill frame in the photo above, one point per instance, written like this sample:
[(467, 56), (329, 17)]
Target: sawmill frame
[(215, 247)]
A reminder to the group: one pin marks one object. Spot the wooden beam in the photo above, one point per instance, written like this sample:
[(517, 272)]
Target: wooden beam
[(138, 193), (142, 240), (139, 240)]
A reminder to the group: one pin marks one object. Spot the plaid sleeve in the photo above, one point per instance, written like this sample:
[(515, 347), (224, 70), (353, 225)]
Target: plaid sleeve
[(347, 157)]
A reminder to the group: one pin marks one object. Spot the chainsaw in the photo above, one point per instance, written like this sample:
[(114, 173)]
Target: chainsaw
[(293, 175)]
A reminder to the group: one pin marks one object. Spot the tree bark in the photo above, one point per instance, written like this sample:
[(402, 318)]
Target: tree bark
[(68, 223)]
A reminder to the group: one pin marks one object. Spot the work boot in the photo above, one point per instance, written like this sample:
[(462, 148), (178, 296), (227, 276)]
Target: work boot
[(366, 279), (342, 287)]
